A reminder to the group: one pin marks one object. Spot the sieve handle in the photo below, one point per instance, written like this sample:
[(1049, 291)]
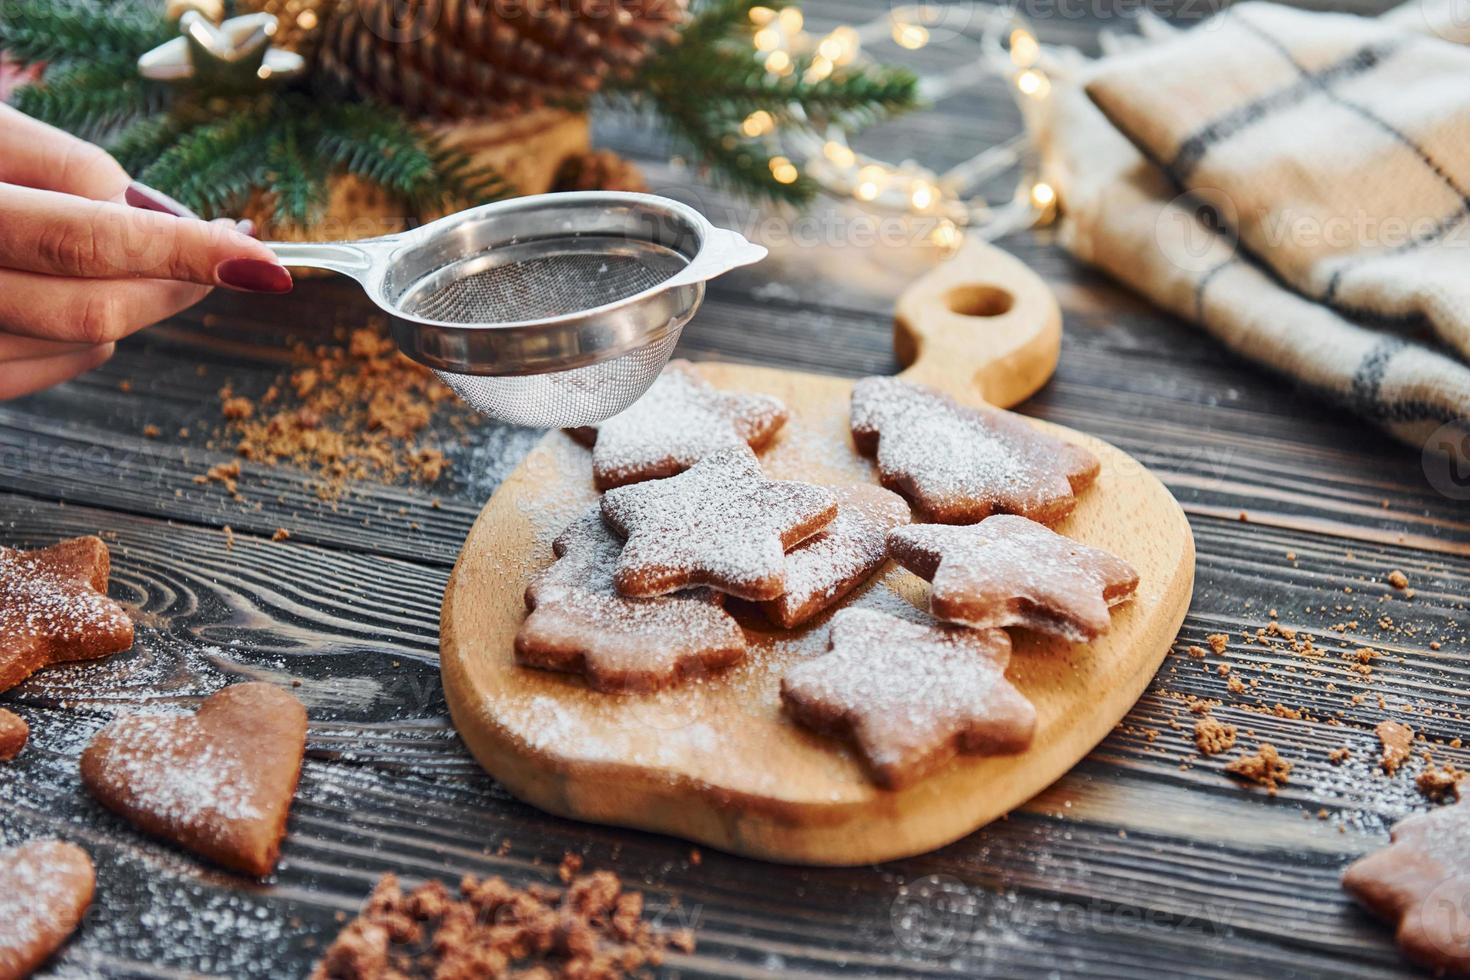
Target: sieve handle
[(721, 251), (355, 259)]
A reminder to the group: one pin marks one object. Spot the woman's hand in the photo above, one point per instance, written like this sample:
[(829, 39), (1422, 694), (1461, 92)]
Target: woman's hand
[(87, 257)]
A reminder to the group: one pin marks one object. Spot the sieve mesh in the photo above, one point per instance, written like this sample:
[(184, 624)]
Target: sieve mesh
[(562, 399), (574, 277)]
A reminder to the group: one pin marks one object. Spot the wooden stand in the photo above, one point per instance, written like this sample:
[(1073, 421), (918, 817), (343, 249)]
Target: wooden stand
[(716, 761)]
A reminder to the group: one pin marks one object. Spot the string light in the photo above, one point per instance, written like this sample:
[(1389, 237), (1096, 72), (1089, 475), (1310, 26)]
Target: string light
[(1009, 51)]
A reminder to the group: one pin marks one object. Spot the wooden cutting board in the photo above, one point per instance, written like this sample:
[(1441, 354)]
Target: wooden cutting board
[(716, 761)]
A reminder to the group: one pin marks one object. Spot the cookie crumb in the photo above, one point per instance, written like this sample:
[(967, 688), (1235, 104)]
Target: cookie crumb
[(1339, 755), (590, 928), (1212, 737), (1398, 579), (1265, 768), (281, 534), (1440, 785), (151, 431), (1217, 642), (1396, 739)]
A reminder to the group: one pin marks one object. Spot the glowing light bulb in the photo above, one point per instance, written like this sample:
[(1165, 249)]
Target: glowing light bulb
[(1024, 49), (922, 195), (758, 123), (784, 171), (911, 36), (839, 153), (791, 19), (819, 69), (778, 63), (866, 191), (1032, 82), (946, 234), (873, 174), (306, 20), (767, 39), (761, 16), (1043, 195), (848, 43)]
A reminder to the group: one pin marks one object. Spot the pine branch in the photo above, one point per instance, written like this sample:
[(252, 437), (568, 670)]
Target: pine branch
[(742, 165), (59, 31), (296, 175), (377, 145), (145, 140), (87, 99), (214, 168)]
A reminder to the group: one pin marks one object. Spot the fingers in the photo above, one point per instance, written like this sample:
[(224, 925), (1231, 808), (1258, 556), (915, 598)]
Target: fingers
[(87, 311), (34, 154), (23, 377), (61, 235)]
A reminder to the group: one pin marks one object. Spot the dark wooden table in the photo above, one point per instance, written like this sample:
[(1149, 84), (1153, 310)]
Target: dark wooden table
[(1145, 860)]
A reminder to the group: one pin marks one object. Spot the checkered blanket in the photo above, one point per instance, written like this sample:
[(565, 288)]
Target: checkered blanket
[(1298, 184)]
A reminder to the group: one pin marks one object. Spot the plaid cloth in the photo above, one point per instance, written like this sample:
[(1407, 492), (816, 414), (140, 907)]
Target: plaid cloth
[(1297, 183)]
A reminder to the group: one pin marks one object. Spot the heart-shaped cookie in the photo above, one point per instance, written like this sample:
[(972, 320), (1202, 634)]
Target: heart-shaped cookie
[(219, 782), (45, 886)]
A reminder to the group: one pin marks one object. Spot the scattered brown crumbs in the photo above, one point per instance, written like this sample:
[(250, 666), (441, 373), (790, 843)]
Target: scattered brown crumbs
[(1440, 785), (1218, 642), (1339, 755), (1398, 579), (1197, 652), (281, 534), (229, 538), (227, 474), (1265, 768), (354, 410), (1212, 737), (1396, 739), (126, 384), (151, 431), (590, 929)]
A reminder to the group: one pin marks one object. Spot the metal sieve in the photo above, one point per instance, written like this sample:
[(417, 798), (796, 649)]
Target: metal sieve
[(553, 310)]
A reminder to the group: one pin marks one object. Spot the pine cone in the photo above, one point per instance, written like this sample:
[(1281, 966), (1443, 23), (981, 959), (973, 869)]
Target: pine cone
[(491, 58), (599, 170)]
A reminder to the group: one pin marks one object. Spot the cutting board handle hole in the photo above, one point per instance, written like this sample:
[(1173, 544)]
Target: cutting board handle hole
[(978, 300)]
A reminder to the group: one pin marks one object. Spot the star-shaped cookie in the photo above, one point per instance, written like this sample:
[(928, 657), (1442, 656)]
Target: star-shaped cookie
[(830, 564), (720, 523), (579, 624), (1420, 883), (679, 421), (910, 696), (54, 608), (1009, 571), (959, 464)]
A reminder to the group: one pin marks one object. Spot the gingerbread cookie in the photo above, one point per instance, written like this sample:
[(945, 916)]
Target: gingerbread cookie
[(13, 734), (679, 421), (45, 888), (579, 624), (1420, 884), (830, 564), (1010, 571), (218, 782), (910, 696), (720, 523), (54, 608), (958, 464)]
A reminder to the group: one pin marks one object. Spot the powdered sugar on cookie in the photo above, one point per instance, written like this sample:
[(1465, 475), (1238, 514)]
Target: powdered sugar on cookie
[(679, 421), (45, 887), (721, 524), (826, 567), (910, 696), (1009, 571), (960, 464), (580, 624)]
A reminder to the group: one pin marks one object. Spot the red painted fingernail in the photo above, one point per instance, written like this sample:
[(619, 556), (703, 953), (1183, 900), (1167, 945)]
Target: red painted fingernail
[(254, 276), (146, 198)]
